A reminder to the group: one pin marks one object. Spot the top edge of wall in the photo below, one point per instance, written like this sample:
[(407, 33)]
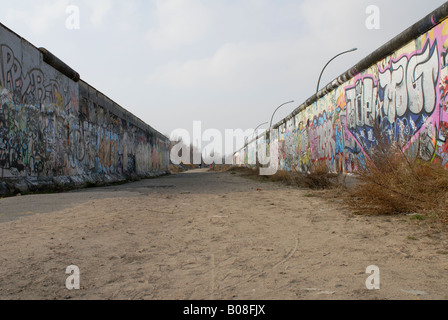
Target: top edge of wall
[(49, 58), (136, 120), (59, 65)]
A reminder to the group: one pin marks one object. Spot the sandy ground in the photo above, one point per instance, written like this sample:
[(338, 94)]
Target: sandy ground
[(212, 236)]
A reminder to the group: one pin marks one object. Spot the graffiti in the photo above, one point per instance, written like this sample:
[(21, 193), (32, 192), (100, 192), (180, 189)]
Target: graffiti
[(325, 135), (143, 158), (405, 95), (401, 100), (32, 87), (291, 150), (303, 149), (45, 133), (361, 103), (442, 145), (282, 153)]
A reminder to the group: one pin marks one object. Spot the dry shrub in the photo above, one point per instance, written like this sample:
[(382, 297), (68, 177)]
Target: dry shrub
[(220, 168), (398, 182), (175, 168), (245, 171), (318, 178), (254, 173), (282, 177)]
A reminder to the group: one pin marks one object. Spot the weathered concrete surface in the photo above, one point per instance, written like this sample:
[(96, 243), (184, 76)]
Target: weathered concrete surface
[(201, 235), (57, 131)]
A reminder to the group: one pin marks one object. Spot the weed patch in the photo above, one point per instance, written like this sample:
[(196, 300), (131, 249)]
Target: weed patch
[(398, 181)]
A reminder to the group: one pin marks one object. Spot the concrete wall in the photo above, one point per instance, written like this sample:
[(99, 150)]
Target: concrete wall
[(403, 87), (55, 129)]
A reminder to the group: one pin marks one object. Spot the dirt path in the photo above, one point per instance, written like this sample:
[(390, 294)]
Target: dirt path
[(201, 235)]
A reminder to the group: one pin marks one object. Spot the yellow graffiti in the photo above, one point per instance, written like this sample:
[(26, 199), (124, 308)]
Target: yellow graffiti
[(341, 103), (105, 150), (58, 100)]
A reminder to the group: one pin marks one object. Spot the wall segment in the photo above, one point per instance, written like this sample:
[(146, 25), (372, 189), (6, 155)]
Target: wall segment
[(56, 129), (402, 87)]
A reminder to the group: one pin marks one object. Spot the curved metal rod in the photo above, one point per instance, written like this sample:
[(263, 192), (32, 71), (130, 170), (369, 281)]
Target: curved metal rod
[(272, 118), (260, 126), (340, 54), (255, 132)]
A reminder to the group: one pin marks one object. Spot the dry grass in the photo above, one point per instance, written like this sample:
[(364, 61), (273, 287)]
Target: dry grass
[(280, 176), (396, 182), (317, 179), (175, 169), (180, 168), (220, 168), (245, 171)]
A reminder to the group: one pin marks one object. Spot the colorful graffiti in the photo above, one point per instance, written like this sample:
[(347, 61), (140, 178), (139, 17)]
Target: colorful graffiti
[(45, 131), (405, 95), (400, 98)]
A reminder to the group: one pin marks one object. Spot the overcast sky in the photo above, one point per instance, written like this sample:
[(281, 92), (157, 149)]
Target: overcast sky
[(227, 63)]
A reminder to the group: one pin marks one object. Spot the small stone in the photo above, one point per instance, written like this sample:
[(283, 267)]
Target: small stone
[(415, 292), (327, 293)]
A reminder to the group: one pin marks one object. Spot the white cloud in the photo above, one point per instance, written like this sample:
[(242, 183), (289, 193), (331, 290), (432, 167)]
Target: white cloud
[(265, 61), (178, 22), (235, 66), (39, 17), (99, 9)]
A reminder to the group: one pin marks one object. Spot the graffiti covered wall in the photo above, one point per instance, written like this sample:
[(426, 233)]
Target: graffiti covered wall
[(53, 127), (404, 94)]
